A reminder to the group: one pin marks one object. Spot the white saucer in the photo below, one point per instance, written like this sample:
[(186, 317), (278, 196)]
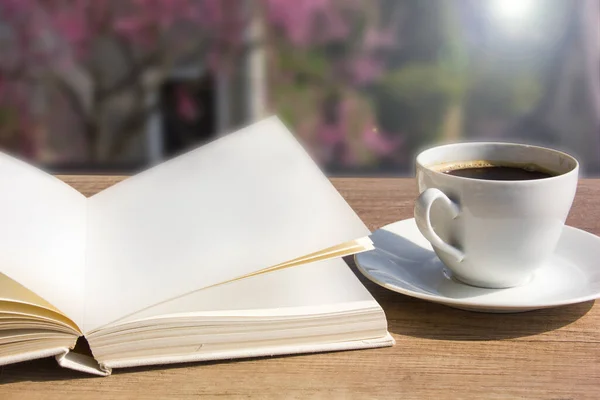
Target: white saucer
[(403, 261)]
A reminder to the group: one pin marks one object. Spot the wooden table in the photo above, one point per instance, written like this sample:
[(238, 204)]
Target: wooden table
[(440, 352)]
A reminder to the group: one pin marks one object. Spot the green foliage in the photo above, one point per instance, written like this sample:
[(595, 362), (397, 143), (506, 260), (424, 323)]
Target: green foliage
[(8, 117), (502, 93), (304, 65), (453, 55), (300, 80), (413, 101), (295, 102)]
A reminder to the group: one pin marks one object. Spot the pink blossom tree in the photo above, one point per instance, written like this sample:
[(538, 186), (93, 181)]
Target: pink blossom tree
[(338, 51), (54, 41), (60, 42)]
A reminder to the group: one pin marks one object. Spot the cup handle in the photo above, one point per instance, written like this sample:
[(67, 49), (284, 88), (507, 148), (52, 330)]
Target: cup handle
[(423, 219)]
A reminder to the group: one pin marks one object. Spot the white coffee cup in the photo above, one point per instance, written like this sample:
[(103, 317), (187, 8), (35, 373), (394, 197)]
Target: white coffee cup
[(493, 233)]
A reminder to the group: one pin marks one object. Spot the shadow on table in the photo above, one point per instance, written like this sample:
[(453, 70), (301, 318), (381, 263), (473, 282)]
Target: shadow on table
[(48, 370), (38, 371), (419, 318)]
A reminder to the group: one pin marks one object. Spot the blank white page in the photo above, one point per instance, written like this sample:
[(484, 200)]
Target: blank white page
[(323, 283), (249, 200), (42, 235)]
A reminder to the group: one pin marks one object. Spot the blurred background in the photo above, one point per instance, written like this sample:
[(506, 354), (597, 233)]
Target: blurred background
[(115, 86)]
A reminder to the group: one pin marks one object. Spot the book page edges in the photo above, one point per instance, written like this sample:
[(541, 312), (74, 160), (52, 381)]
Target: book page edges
[(243, 313), (343, 250), (385, 341), (32, 355), (39, 313), (13, 292), (359, 245), (86, 364)]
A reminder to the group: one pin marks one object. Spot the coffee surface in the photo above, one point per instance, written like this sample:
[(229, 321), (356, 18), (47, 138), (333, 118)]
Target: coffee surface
[(499, 173)]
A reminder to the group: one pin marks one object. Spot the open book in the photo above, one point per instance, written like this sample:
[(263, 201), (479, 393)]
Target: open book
[(231, 250)]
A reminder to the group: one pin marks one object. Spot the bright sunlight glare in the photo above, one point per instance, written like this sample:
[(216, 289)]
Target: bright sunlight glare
[(514, 15), (513, 10)]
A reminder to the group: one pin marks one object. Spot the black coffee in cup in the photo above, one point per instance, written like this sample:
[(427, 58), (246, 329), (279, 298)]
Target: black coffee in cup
[(487, 170)]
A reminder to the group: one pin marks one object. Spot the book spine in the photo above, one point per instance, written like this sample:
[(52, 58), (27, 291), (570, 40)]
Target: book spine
[(82, 363)]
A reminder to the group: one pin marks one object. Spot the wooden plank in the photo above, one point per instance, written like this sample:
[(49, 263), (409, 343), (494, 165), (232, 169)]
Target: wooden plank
[(440, 352)]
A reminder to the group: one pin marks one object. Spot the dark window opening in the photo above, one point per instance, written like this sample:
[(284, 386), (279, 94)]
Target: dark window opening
[(188, 109)]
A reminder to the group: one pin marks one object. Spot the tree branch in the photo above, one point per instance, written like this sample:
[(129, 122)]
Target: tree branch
[(72, 97), (130, 127), (126, 80)]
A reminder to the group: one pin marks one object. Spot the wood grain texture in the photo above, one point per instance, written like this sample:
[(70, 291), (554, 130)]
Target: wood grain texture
[(440, 352)]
